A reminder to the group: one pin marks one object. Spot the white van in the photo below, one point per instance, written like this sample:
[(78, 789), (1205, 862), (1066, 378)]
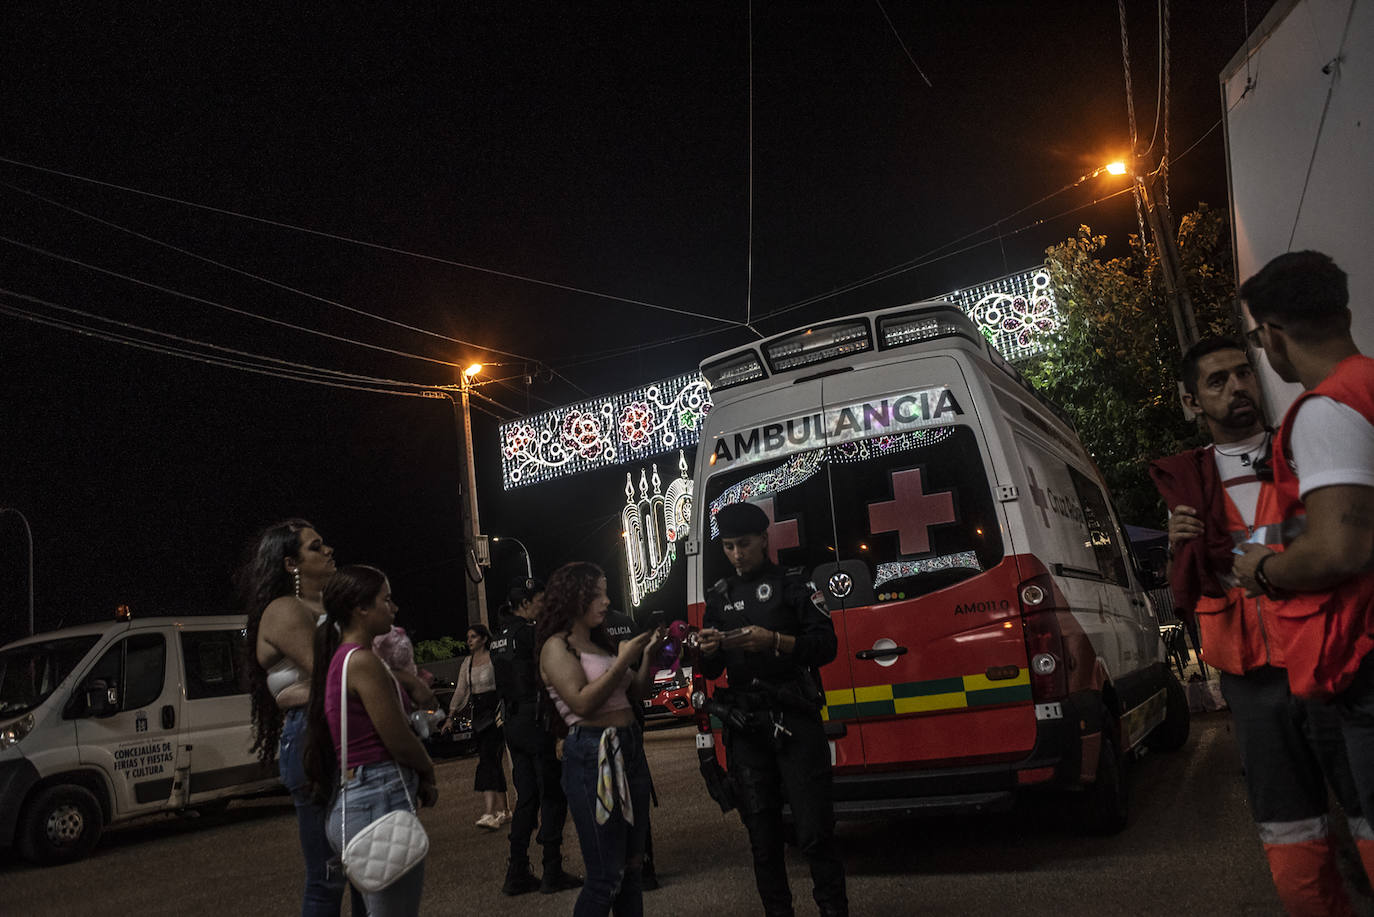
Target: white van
[(993, 633), (105, 722)]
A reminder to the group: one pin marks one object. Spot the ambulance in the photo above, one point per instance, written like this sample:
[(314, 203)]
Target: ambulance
[(993, 633), (102, 723)]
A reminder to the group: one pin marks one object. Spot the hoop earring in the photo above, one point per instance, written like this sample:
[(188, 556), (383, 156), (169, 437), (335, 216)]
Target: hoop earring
[(297, 573)]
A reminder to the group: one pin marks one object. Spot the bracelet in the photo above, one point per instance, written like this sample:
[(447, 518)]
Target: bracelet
[(1262, 580), (777, 643)]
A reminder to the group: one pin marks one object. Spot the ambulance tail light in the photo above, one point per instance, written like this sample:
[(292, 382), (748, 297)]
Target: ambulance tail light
[(816, 345), (1044, 639), (925, 325), (735, 369)]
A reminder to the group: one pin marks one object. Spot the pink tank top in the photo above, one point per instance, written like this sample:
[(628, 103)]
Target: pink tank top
[(593, 666), (364, 744)]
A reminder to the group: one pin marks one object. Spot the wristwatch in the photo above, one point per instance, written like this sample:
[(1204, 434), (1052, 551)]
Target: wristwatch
[(1263, 581)]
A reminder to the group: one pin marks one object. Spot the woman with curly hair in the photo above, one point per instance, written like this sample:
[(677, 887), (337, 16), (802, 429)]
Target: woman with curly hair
[(281, 583), (594, 685)]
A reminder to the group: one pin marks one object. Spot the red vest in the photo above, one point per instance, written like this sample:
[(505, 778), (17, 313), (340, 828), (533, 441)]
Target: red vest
[(1325, 635), (1236, 637)]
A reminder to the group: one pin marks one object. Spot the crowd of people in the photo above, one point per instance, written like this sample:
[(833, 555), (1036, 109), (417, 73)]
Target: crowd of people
[(1271, 536)]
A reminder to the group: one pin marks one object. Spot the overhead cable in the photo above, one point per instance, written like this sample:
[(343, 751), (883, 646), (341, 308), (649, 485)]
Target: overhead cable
[(267, 280), (377, 246)]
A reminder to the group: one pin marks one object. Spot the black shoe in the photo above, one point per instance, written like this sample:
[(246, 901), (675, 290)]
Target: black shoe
[(648, 880), (559, 881), (519, 882)]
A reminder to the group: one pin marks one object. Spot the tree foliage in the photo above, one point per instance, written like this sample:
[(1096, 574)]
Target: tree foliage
[(1113, 363)]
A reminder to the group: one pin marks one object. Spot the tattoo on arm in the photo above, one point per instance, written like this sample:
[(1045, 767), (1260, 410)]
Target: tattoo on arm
[(1357, 519)]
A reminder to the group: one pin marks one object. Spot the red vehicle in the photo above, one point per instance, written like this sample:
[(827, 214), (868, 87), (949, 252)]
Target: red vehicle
[(672, 697)]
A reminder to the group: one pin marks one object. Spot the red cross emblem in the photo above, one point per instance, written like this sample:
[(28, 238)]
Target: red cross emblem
[(781, 535), (911, 512)]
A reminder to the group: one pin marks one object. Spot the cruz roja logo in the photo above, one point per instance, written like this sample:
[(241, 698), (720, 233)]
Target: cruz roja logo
[(854, 421)]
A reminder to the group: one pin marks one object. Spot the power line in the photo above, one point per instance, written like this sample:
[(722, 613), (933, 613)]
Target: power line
[(267, 280), (905, 49), (218, 305), (377, 246)]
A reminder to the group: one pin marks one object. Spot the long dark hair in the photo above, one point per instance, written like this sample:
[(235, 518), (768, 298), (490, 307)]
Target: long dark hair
[(261, 578), (570, 591), (350, 588)]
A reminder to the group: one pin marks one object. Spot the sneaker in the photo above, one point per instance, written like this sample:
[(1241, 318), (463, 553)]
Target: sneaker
[(490, 822), (558, 882), (502, 818), (520, 881)]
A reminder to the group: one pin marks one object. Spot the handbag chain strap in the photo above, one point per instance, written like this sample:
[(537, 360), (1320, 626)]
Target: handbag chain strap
[(343, 754)]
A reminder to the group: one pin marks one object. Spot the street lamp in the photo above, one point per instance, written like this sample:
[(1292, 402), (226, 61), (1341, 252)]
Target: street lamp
[(529, 572), (29, 532)]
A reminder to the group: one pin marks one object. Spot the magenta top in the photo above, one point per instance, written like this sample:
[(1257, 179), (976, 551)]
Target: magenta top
[(593, 666), (364, 745)]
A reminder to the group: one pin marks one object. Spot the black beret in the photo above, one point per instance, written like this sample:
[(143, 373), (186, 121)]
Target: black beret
[(741, 519)]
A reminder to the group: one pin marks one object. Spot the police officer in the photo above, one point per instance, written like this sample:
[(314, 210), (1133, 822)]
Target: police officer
[(769, 631), (535, 767)]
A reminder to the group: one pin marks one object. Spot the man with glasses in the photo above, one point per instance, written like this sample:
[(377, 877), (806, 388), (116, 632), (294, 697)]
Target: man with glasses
[(1219, 497), (1321, 584)]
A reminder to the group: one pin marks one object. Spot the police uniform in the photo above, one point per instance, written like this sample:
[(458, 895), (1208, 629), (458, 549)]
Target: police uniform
[(775, 743), (535, 768)]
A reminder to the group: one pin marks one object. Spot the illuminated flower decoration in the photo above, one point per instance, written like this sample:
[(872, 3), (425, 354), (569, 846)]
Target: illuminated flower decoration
[(1027, 318), (582, 434), (518, 439), (637, 424)]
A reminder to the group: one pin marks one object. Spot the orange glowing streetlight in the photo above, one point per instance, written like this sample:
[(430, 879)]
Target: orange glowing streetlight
[(473, 370), (1116, 168)]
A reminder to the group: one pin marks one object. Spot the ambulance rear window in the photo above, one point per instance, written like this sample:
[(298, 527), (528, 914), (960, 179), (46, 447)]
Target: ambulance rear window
[(903, 515)]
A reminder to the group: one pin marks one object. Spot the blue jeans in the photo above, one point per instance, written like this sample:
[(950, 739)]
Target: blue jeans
[(324, 878), (608, 849), (375, 790)]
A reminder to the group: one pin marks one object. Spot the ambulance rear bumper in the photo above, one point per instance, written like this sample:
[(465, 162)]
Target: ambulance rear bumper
[(1054, 761)]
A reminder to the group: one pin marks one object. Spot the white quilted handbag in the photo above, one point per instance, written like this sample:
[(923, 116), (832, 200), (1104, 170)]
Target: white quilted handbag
[(388, 848)]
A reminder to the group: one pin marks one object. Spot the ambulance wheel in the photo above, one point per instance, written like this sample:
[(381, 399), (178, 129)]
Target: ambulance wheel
[(59, 824), (1172, 734), (1102, 805)]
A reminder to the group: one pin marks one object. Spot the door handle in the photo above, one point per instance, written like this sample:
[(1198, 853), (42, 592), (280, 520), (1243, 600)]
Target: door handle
[(169, 716), (881, 654)]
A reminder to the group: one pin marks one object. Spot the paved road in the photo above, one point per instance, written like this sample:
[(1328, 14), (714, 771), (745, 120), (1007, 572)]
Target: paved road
[(1190, 849)]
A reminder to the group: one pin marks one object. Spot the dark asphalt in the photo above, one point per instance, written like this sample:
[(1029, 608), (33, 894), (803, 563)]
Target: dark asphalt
[(1190, 849)]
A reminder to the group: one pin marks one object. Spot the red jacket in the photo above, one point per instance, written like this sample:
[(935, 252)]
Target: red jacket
[(1235, 635), (1325, 635)]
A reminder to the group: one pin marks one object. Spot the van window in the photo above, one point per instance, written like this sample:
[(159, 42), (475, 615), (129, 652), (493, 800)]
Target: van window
[(914, 507), (136, 665), (214, 663), (29, 674), (1111, 563)]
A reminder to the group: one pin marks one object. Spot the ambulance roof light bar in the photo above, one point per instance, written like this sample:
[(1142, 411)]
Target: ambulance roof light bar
[(926, 324), (736, 369), (818, 344)]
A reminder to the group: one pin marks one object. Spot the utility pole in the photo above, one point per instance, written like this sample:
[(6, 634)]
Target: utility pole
[(473, 547), (477, 592), (29, 532), (1162, 228)]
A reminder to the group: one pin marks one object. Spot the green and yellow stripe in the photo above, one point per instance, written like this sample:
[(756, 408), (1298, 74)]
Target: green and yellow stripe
[(925, 696)]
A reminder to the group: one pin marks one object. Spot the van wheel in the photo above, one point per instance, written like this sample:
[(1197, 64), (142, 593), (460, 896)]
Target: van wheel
[(1102, 805), (60, 824), (1172, 734)]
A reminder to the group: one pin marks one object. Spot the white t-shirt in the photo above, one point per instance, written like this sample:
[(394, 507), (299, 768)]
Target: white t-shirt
[(1236, 468), (1332, 444)]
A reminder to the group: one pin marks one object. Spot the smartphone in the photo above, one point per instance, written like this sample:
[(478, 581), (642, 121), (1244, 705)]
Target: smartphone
[(656, 620)]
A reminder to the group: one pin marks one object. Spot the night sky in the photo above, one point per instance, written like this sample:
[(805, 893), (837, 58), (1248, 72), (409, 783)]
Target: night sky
[(539, 155)]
